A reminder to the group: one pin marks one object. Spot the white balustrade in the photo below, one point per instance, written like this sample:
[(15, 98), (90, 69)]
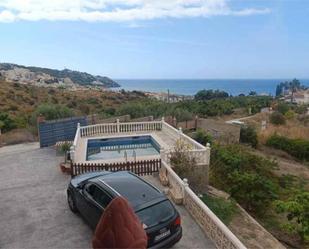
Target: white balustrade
[(212, 226), (198, 151), (111, 128)]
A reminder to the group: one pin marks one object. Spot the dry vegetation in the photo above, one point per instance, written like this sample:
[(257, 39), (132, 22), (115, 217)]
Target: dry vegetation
[(20, 102), (18, 99), (292, 129), (296, 127)]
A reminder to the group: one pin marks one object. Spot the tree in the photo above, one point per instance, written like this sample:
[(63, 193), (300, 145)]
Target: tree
[(297, 212), (252, 93), (210, 94), (294, 86)]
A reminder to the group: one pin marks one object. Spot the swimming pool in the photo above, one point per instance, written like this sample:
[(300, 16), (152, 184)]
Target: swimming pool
[(121, 147)]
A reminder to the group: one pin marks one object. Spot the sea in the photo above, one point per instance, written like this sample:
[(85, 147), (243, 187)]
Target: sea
[(192, 86)]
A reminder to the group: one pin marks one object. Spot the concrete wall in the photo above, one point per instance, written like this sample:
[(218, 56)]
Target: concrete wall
[(223, 132)]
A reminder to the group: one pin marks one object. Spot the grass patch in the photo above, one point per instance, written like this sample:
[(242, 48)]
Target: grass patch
[(224, 209)]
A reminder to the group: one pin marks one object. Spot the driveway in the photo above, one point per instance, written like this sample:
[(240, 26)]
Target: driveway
[(33, 207)]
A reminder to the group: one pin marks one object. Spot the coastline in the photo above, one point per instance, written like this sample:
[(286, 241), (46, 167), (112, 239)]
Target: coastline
[(189, 87)]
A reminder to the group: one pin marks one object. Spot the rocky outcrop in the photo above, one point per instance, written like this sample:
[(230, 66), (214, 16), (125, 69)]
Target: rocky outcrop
[(51, 77)]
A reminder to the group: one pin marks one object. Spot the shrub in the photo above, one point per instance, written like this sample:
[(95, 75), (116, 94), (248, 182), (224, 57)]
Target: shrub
[(248, 135), (202, 137), (283, 108), (6, 122), (297, 212), (289, 114), (251, 190), (180, 114), (52, 111), (185, 166), (224, 209), (247, 177), (301, 109), (277, 118), (298, 148)]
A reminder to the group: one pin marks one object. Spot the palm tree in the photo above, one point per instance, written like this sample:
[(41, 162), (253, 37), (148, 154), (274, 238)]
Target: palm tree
[(294, 85)]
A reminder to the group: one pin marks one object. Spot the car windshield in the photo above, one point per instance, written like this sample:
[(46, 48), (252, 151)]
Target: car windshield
[(157, 213)]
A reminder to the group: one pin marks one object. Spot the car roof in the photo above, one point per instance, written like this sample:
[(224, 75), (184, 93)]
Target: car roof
[(137, 191)]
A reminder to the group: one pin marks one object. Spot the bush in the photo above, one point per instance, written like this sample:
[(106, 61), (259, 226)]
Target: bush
[(224, 209), (298, 148), (247, 177), (289, 114), (301, 109), (185, 167), (6, 122), (248, 135), (283, 108), (297, 212), (251, 190), (52, 111), (277, 118), (202, 137)]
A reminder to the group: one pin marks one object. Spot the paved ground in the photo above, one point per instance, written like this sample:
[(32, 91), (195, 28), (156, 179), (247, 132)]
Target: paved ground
[(33, 208)]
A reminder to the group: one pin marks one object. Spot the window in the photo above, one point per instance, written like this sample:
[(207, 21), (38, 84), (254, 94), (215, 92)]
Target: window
[(98, 195), (157, 213)]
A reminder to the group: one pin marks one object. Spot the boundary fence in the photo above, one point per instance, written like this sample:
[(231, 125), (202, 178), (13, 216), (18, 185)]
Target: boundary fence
[(143, 167)]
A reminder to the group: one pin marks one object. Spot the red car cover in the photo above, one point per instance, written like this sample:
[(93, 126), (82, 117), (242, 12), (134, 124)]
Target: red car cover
[(119, 227)]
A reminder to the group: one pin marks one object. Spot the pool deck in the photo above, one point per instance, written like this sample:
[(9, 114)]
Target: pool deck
[(165, 141)]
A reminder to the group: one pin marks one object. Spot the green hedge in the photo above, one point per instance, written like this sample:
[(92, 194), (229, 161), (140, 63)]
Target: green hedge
[(298, 148)]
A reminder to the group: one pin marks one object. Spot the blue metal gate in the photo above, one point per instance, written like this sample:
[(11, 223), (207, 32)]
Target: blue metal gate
[(53, 131)]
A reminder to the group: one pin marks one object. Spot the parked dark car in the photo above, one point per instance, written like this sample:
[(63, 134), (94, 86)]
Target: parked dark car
[(89, 194)]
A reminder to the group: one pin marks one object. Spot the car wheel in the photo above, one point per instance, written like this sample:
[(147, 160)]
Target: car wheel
[(71, 202)]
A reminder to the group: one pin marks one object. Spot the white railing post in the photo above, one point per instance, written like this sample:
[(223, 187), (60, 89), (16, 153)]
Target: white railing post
[(184, 185), (207, 154), (72, 153), (180, 132), (118, 125)]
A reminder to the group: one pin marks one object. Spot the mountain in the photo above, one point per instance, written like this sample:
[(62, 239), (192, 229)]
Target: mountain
[(51, 77)]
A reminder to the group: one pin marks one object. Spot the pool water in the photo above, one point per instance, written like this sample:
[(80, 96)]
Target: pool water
[(124, 147)]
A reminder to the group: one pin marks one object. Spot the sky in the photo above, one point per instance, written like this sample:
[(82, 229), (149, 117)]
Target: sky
[(176, 39)]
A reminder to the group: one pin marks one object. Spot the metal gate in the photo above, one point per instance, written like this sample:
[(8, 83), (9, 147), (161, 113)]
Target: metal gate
[(53, 131)]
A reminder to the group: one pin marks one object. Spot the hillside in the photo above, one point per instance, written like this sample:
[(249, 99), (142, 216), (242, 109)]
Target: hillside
[(20, 101), (52, 78)]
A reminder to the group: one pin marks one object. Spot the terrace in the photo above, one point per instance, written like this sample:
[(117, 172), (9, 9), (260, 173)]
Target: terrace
[(145, 148), (118, 138)]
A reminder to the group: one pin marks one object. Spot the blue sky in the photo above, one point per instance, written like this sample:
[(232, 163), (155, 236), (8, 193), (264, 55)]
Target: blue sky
[(159, 39)]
